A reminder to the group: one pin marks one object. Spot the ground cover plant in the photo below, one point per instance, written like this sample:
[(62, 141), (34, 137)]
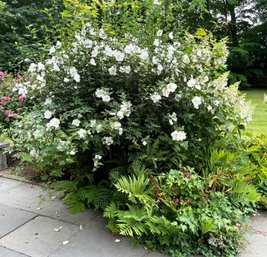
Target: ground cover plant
[(145, 128)]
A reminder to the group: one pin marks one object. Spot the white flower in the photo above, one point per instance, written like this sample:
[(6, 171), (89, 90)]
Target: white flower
[(33, 153), (96, 160), (107, 140), (102, 93), (72, 152), (118, 55), (41, 67), (54, 123), (156, 42), (48, 101), (170, 88), (196, 102), (160, 69), (98, 128), (216, 103), (82, 133), (66, 80), (125, 110), (144, 142), (144, 55), (88, 43), (92, 62), (48, 114), (74, 74), (209, 108), (186, 59), (116, 125), (23, 91), (155, 97), (191, 82), (95, 52), (52, 50), (120, 131), (155, 60), (55, 66), (125, 69), (171, 35), (130, 49), (178, 135), (173, 118), (32, 67), (76, 122), (159, 33), (58, 45), (120, 115), (108, 51), (156, 2), (112, 70)]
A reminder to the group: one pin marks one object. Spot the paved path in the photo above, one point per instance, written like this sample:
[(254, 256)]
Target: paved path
[(35, 223)]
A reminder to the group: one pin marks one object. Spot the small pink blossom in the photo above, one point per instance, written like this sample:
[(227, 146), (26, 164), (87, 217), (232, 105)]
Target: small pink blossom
[(8, 98), (1, 107), (3, 100), (2, 74), (7, 119), (15, 115), (7, 112), (20, 78), (21, 98)]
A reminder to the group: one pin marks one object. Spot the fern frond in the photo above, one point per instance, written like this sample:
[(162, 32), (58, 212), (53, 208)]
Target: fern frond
[(75, 205), (135, 187), (244, 193)]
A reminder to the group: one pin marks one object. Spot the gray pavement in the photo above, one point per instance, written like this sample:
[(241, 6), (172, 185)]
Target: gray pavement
[(35, 223)]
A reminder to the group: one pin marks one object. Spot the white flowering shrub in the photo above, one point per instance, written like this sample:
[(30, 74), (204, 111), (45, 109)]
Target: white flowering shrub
[(109, 96)]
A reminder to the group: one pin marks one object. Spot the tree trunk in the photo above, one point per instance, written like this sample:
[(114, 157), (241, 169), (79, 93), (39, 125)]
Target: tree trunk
[(233, 27)]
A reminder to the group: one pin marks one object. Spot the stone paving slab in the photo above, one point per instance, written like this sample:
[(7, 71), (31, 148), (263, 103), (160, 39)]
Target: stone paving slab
[(256, 245), (21, 196), (38, 237), (7, 184), (12, 218), (4, 252), (96, 241), (57, 209), (38, 200)]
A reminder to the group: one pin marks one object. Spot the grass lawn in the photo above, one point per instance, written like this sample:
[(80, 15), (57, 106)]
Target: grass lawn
[(259, 122)]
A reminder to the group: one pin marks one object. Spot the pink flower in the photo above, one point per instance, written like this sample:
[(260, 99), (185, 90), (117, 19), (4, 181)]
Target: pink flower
[(7, 112), (2, 74), (7, 119), (1, 107), (8, 98), (21, 98), (20, 78), (3, 100), (15, 115)]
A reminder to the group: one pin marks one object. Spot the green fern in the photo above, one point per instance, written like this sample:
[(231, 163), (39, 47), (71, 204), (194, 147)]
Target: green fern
[(132, 222), (135, 187), (74, 203), (243, 192)]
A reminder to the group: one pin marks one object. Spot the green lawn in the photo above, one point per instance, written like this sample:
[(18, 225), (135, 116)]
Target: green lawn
[(259, 122)]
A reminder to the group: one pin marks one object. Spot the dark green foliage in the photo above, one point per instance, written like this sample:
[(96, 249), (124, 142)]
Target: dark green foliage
[(25, 28)]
